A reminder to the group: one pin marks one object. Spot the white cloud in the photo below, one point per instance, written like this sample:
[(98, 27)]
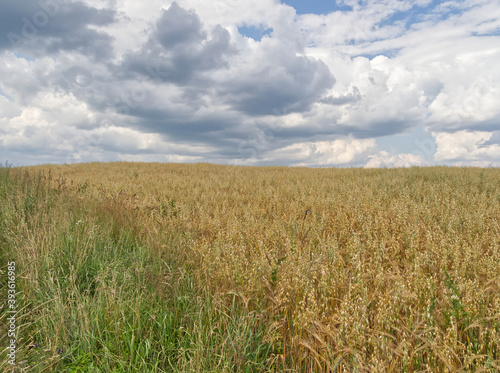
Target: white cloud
[(324, 153), (8, 109), (227, 98), (466, 146), (466, 103), (384, 159)]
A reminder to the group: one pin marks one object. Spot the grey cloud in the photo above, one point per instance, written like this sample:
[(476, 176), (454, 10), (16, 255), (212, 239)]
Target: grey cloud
[(210, 128), (322, 130), (280, 83), (326, 127), (378, 128), (11, 21), (494, 139), (179, 51), (178, 26), (51, 26), (466, 124), (92, 84)]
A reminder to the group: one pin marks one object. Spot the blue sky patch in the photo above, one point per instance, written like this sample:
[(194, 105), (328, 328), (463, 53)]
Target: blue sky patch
[(24, 56), (316, 6), (417, 141), (256, 33), (2, 93)]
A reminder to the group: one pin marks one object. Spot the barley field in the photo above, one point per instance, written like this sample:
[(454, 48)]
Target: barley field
[(129, 267)]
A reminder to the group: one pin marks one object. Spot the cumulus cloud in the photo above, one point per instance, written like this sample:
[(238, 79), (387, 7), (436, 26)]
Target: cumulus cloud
[(325, 153), (472, 103), (179, 49), (347, 98), (384, 159), (107, 80), (462, 146), (494, 139), (273, 79), (50, 26)]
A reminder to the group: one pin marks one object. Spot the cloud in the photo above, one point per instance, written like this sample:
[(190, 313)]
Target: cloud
[(51, 26), (48, 129), (108, 80), (338, 152), (179, 50), (384, 159), (272, 80), (22, 80), (178, 26), (468, 103), (343, 99), (494, 139), (467, 146), (373, 98)]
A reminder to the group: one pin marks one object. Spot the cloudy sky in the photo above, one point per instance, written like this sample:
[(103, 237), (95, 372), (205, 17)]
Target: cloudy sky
[(365, 83)]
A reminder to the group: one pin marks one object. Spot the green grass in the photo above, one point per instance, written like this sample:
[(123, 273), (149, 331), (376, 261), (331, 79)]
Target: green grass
[(93, 298)]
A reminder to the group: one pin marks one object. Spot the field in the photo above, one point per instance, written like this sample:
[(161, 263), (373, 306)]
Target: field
[(127, 267)]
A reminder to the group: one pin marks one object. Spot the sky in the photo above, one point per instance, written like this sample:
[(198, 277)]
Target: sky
[(346, 83)]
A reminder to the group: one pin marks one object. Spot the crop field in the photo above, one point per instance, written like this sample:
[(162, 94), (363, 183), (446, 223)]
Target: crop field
[(129, 267)]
